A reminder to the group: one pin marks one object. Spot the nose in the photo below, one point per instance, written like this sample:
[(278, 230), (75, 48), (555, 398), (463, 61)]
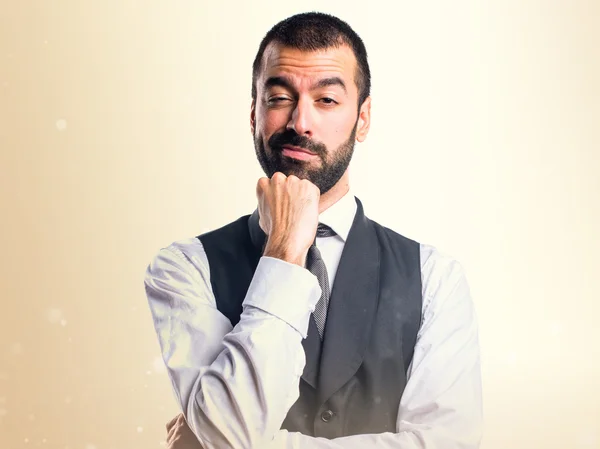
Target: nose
[(301, 120)]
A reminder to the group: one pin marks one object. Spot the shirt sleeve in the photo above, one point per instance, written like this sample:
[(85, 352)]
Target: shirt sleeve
[(234, 385), (441, 407)]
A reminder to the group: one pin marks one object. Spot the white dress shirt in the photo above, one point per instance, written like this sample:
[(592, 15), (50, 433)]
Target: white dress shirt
[(236, 385)]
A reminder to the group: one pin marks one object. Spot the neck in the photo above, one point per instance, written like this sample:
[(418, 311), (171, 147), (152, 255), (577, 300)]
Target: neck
[(332, 196)]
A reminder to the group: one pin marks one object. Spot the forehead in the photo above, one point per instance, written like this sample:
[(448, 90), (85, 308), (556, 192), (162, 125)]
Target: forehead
[(279, 60)]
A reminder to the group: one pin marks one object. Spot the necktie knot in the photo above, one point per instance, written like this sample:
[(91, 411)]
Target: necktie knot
[(325, 231)]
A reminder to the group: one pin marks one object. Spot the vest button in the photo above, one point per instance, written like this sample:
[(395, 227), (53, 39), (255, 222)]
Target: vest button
[(326, 415)]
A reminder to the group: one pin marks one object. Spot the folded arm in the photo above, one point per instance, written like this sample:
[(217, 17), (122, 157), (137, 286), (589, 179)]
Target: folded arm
[(238, 385)]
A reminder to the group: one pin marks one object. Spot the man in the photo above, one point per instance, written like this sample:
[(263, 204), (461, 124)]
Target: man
[(306, 324)]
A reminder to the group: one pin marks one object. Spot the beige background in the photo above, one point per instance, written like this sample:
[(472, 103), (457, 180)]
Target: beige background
[(124, 125)]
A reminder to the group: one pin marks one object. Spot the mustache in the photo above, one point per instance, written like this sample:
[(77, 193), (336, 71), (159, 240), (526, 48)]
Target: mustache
[(290, 137)]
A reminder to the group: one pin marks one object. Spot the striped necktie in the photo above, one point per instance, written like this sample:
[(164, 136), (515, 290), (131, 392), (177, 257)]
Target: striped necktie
[(315, 264)]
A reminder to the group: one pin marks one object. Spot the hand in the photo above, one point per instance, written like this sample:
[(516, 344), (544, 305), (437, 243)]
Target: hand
[(289, 214), (180, 436)]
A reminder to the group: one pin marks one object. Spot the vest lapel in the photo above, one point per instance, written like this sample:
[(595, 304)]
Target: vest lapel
[(352, 307), (312, 343)]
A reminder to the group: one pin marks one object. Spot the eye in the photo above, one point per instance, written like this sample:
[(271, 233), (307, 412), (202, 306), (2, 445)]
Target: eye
[(276, 100), (328, 100)]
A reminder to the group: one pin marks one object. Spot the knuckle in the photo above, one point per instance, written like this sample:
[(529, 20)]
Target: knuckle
[(278, 176), (262, 183)]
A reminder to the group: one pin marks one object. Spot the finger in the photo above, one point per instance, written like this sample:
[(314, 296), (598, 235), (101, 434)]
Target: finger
[(170, 423), (177, 424), (278, 177), (174, 431), (262, 185)]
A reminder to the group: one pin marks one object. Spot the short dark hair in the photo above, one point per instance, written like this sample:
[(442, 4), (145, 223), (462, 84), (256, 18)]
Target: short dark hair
[(313, 31)]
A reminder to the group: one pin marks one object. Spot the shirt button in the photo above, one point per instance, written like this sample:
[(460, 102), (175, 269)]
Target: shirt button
[(326, 415)]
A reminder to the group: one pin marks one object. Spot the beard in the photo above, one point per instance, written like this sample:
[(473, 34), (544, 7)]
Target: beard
[(324, 177)]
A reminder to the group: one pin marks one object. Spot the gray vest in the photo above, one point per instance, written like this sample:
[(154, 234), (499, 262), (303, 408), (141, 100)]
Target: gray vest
[(352, 382)]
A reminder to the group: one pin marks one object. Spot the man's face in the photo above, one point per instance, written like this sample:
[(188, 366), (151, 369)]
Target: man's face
[(305, 118)]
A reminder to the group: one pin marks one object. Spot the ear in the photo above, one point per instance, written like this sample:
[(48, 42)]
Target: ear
[(364, 120), (252, 117)]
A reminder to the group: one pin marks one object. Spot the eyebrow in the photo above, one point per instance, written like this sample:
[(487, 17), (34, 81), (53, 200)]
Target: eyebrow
[(282, 81), (333, 81)]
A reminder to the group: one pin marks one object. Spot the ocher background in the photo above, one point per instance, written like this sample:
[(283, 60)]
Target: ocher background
[(124, 125)]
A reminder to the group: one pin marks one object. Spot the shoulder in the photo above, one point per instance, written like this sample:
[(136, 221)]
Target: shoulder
[(177, 278), (445, 288), (436, 265), (443, 279), (189, 254), (183, 258), (188, 250), (438, 269), (442, 276)]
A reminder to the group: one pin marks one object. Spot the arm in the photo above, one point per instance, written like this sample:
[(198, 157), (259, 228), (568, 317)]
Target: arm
[(441, 406), (234, 385)]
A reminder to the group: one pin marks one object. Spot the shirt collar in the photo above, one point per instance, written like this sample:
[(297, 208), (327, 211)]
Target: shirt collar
[(340, 215)]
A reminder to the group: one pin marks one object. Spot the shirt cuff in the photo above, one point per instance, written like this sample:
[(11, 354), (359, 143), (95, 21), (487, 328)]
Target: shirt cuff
[(285, 290)]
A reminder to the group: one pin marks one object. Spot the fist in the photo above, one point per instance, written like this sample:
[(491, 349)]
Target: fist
[(289, 215), (180, 436)]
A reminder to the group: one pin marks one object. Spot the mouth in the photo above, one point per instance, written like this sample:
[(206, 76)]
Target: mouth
[(297, 152)]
